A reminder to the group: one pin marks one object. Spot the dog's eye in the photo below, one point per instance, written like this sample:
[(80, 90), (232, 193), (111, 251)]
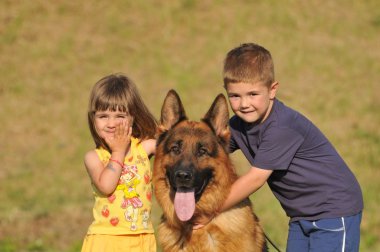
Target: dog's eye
[(202, 152), (175, 149)]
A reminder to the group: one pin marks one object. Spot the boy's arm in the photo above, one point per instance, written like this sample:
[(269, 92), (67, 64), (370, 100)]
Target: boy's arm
[(245, 185), (242, 188)]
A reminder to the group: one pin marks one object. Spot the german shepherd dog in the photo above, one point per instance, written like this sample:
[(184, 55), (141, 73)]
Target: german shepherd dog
[(192, 176)]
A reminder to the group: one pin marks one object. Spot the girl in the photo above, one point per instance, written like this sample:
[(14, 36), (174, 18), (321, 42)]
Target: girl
[(119, 168)]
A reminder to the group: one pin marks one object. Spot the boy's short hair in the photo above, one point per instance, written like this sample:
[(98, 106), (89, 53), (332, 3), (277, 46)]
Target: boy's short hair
[(249, 63)]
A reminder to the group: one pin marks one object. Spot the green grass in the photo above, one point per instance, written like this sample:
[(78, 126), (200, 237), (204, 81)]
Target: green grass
[(326, 57)]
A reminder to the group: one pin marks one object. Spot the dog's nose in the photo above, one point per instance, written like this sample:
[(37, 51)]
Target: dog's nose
[(183, 176)]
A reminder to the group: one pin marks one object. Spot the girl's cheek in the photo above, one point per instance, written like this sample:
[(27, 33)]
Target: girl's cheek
[(130, 120)]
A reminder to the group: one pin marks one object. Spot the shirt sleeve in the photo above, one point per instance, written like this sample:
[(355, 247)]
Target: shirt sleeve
[(277, 148), (233, 127), (233, 145)]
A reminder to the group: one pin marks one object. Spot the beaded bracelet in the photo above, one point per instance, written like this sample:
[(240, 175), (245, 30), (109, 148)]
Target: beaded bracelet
[(119, 163)]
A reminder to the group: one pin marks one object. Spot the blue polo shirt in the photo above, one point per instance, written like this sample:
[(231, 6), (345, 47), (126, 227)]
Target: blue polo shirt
[(309, 177)]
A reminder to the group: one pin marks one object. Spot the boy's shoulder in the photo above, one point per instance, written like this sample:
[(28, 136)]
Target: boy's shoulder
[(235, 121), (279, 113), (281, 118), (284, 117), (283, 113)]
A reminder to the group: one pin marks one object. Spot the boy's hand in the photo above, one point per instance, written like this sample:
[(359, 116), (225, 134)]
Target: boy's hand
[(201, 221), (121, 139)]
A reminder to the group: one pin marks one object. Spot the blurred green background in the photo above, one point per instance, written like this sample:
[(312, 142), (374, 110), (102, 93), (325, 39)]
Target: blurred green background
[(327, 60)]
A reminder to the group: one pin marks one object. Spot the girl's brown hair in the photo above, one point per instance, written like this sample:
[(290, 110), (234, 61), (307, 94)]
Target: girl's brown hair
[(118, 92), (248, 63)]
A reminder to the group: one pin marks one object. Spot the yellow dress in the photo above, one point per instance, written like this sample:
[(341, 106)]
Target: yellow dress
[(122, 221)]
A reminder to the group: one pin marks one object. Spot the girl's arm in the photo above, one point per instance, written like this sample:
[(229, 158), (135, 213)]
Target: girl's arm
[(149, 146), (105, 178)]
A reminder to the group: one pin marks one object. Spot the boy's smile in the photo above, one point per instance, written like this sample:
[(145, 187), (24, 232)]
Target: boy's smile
[(252, 102)]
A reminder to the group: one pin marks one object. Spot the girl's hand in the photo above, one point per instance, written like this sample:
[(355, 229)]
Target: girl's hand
[(118, 138), (121, 140)]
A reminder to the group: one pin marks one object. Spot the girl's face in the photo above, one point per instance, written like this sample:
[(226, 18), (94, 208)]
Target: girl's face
[(106, 122), (251, 102)]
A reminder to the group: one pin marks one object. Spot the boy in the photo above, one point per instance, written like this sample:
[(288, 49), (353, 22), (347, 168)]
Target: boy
[(306, 174)]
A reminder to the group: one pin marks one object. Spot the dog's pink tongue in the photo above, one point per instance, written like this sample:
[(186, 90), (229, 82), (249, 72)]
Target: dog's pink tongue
[(184, 205)]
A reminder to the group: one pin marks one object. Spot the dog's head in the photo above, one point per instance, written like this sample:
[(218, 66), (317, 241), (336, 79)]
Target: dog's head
[(192, 171)]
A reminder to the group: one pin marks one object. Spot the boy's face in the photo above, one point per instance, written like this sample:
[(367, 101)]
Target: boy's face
[(252, 102)]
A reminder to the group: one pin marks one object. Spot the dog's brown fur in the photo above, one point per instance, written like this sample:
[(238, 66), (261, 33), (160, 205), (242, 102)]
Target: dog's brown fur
[(200, 149)]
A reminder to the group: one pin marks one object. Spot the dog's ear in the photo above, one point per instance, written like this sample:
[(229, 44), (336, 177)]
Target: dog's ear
[(217, 117), (172, 111)]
